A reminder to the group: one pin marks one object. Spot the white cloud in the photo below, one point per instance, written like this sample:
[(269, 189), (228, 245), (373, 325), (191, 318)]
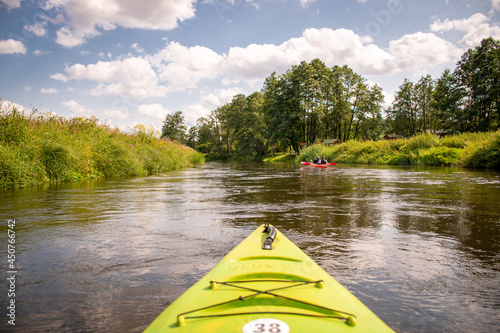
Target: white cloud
[(8, 105), (114, 115), (137, 48), (306, 2), (154, 111), (184, 66), (11, 4), (40, 52), (388, 99), (130, 77), (475, 27), (85, 19), (495, 4), (39, 29), (73, 106), (10, 46), (193, 112), (339, 47), (59, 77), (220, 97), (422, 49), (48, 91)]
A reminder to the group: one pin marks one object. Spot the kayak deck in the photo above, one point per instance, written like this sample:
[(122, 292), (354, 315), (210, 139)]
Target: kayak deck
[(255, 289)]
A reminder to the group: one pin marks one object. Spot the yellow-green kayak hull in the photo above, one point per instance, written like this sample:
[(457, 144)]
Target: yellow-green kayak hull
[(267, 290)]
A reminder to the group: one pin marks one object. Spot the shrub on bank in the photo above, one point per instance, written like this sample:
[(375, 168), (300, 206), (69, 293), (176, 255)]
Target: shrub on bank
[(436, 156), (484, 153), (39, 148), (476, 150)]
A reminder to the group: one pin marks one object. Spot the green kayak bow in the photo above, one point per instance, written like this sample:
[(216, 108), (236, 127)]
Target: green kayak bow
[(267, 284)]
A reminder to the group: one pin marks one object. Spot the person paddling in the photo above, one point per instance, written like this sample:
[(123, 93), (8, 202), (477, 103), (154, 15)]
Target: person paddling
[(316, 161), (323, 160)]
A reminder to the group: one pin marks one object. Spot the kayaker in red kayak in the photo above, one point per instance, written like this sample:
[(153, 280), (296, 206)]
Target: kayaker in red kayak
[(323, 161), (316, 161)]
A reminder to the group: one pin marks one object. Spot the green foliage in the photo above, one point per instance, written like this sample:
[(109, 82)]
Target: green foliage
[(58, 160), (465, 100), (477, 81), (236, 128), (419, 142), (114, 159), (146, 134), (436, 156), (484, 153), (41, 148), (18, 169), (173, 127), (476, 150), (312, 102), (312, 152), (14, 128), (196, 158)]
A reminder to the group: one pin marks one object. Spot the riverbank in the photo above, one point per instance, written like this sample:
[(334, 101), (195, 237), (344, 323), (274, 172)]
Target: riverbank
[(40, 148), (471, 150)]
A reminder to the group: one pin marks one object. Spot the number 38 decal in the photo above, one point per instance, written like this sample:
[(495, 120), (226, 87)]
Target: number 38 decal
[(266, 325)]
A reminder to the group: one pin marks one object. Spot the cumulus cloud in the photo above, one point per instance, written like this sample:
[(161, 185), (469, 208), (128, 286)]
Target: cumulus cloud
[(306, 2), (495, 4), (184, 66), (39, 53), (220, 97), (77, 108), (10, 46), (39, 29), (48, 90), (130, 77), (339, 47), (83, 19), (113, 115), (11, 4), (422, 49), (154, 111), (476, 28), (8, 105), (193, 113)]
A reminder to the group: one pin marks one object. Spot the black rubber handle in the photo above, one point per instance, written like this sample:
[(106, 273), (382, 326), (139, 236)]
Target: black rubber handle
[(268, 243)]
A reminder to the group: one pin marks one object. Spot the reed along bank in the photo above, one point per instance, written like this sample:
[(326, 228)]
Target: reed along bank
[(40, 148)]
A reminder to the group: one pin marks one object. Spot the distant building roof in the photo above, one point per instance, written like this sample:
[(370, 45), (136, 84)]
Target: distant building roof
[(393, 137), (331, 141)]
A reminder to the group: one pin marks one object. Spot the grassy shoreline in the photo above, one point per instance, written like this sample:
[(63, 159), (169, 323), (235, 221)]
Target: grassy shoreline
[(470, 150), (42, 148)]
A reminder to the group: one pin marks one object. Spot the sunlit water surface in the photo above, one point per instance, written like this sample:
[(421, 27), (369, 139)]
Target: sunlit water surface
[(420, 247)]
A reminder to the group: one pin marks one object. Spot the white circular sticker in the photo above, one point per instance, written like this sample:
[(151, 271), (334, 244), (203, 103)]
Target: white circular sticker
[(266, 325)]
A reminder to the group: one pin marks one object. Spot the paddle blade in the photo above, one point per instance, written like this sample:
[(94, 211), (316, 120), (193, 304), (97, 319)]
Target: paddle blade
[(305, 163), (333, 163)]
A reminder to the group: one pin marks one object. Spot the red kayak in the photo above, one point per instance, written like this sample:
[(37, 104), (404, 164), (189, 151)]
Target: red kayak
[(318, 165)]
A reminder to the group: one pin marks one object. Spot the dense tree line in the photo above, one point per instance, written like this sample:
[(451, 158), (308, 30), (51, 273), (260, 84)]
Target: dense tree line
[(312, 102), (465, 100)]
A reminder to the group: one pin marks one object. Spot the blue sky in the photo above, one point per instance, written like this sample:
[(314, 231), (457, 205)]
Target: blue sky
[(129, 62)]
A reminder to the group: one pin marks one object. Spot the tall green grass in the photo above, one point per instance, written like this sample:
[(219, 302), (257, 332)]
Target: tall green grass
[(473, 150), (37, 148)]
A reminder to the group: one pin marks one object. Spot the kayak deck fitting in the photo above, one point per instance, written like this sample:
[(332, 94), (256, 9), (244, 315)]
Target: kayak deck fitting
[(267, 284)]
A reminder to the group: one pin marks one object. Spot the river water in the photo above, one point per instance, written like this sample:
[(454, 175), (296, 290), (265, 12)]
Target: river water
[(420, 247)]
